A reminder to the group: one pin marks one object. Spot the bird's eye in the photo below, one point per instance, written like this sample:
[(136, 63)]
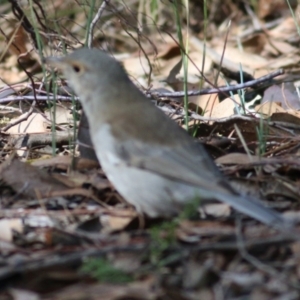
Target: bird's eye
[(76, 68)]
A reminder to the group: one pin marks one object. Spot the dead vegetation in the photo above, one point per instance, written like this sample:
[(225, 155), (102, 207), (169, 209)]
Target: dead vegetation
[(64, 231)]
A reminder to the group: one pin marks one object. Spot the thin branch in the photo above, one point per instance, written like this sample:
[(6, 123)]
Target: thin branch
[(94, 22), (221, 89)]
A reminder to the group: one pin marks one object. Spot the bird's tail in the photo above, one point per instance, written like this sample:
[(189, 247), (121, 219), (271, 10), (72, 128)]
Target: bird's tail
[(256, 210)]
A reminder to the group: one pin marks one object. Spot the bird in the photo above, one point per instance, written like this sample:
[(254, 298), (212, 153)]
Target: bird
[(150, 160)]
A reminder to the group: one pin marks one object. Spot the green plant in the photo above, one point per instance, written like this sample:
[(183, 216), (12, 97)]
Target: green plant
[(103, 271), (162, 238), (184, 52)]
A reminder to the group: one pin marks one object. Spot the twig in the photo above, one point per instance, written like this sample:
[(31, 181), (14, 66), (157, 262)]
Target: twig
[(257, 263), (221, 89), (39, 139), (63, 260), (38, 97), (79, 256), (19, 14), (25, 116), (94, 22), (162, 95), (22, 118)]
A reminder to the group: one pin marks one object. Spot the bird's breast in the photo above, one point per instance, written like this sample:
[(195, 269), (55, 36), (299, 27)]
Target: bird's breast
[(105, 145)]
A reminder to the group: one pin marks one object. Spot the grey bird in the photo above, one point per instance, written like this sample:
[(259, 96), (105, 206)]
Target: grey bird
[(152, 162)]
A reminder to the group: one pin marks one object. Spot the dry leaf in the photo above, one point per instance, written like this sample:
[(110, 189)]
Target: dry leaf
[(239, 159), (7, 226), (31, 181), (224, 108)]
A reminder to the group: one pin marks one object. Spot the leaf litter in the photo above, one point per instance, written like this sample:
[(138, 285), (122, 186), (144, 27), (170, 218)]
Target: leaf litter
[(59, 213)]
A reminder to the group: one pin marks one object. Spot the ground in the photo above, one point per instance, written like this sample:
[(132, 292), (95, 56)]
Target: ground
[(65, 232)]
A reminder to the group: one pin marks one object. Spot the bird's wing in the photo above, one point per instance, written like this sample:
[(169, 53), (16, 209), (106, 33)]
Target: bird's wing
[(193, 166), (190, 164)]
